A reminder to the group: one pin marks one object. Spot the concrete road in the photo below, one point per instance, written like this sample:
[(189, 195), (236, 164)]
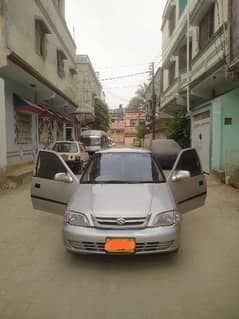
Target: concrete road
[(38, 279)]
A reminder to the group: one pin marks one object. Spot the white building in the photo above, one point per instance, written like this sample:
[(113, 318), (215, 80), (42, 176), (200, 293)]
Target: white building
[(89, 89), (197, 76)]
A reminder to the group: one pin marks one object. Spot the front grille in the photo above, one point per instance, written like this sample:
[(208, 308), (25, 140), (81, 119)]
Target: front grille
[(152, 246), (128, 222), (88, 246), (92, 247)]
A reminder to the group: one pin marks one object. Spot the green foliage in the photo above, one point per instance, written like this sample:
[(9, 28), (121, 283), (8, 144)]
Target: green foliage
[(178, 129), (138, 99), (141, 130), (101, 116)]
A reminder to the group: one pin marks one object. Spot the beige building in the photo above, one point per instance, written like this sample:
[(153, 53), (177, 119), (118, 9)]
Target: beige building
[(117, 132), (132, 118), (89, 89), (38, 91)]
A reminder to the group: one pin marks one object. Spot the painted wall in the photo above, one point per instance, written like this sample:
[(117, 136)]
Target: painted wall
[(224, 138), (230, 133)]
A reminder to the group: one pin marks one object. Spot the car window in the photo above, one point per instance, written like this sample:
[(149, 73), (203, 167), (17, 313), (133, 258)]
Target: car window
[(189, 161), (48, 164), (123, 168), (65, 147), (90, 141)]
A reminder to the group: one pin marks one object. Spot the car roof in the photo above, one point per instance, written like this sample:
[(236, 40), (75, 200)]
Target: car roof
[(124, 150)]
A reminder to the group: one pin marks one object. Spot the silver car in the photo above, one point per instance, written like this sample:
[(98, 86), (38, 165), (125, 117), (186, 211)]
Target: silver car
[(123, 203)]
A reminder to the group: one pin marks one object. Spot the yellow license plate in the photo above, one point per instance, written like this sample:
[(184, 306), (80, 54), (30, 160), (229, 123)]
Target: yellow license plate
[(120, 245)]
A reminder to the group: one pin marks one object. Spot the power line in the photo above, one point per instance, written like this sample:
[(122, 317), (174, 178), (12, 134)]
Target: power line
[(124, 76), (124, 66)]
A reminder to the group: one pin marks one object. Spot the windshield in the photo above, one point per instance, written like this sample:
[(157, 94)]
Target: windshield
[(123, 168), (65, 148), (90, 141)]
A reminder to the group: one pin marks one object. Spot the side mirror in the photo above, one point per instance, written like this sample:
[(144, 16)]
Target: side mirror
[(63, 177), (180, 175)]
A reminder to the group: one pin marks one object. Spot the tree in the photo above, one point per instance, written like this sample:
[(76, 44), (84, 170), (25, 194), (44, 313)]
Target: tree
[(139, 98), (178, 129), (101, 116), (141, 130)]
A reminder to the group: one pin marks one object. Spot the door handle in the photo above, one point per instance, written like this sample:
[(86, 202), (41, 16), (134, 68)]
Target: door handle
[(200, 183), (37, 185)]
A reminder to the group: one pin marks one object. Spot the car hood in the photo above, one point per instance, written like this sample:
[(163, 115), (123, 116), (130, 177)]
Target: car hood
[(122, 200)]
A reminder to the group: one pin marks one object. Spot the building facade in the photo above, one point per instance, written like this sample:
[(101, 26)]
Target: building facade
[(39, 92), (89, 89), (117, 128), (198, 77), (132, 118)]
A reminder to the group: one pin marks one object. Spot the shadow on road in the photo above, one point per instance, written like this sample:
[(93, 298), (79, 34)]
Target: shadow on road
[(124, 263)]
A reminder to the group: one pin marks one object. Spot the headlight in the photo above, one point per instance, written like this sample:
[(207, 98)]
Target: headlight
[(166, 219), (76, 219)]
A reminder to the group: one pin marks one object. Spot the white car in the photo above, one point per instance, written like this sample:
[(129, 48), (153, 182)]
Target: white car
[(73, 153)]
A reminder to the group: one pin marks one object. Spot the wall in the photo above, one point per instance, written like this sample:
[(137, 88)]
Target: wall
[(88, 86), (230, 133), (20, 17), (17, 153)]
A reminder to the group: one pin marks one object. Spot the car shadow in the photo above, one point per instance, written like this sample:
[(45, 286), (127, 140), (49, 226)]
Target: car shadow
[(124, 262)]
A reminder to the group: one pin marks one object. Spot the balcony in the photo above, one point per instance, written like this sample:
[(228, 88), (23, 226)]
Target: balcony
[(169, 94), (197, 10), (210, 58), (177, 36)]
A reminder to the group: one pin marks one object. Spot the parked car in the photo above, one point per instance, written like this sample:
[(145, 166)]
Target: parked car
[(123, 203), (94, 140), (73, 153), (165, 151)]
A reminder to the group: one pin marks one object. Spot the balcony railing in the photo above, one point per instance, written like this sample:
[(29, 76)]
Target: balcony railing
[(169, 94), (212, 55)]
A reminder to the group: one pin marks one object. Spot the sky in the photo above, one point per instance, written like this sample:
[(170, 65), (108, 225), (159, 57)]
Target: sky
[(121, 37)]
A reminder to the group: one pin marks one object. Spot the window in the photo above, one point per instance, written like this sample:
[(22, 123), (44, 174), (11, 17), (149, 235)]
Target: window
[(172, 20), (90, 141), (60, 63), (123, 168), (182, 5), (69, 134), (133, 122), (189, 161), (183, 57), (65, 148), (23, 128), (206, 28), (41, 30), (59, 4), (171, 73), (48, 165), (72, 72)]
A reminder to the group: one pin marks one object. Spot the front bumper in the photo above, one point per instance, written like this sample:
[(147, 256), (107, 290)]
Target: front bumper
[(148, 240)]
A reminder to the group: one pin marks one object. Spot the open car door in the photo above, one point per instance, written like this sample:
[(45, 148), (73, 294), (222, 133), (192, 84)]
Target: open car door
[(187, 181), (53, 183)]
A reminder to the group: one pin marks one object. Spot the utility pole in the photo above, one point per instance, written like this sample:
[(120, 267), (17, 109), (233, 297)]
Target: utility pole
[(153, 100)]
